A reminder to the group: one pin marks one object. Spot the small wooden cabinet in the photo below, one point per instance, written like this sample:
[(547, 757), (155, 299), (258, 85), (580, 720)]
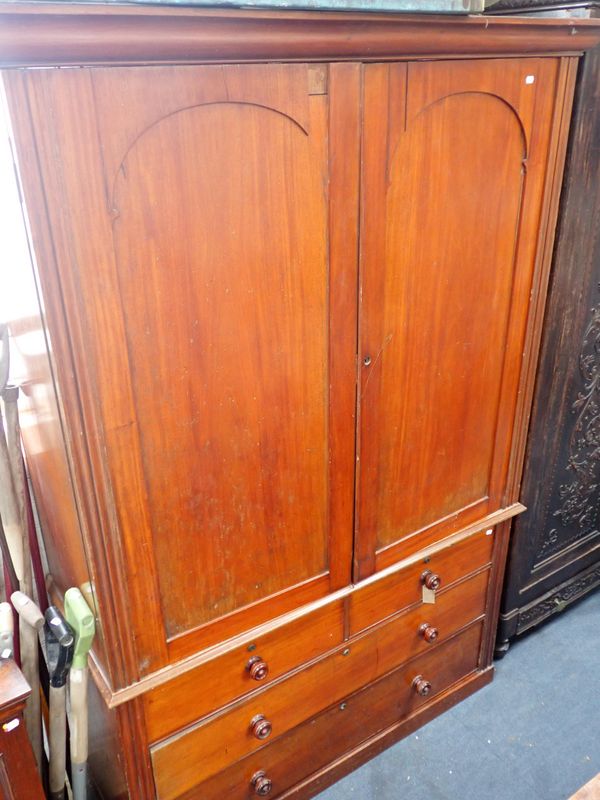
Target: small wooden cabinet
[(19, 777), (292, 267)]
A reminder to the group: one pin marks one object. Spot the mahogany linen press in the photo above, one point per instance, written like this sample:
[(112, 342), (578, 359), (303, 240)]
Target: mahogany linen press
[(292, 269)]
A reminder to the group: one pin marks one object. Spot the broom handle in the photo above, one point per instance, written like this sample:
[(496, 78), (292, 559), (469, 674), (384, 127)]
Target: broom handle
[(78, 722), (31, 621), (13, 503), (34, 547), (9, 507), (57, 736)]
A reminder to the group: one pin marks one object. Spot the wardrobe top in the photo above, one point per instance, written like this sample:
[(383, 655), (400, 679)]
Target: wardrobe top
[(66, 34), (415, 6)]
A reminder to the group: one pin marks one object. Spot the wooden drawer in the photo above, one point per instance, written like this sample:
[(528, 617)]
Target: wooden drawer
[(225, 677), (402, 637), (195, 754), (379, 597), (343, 726)]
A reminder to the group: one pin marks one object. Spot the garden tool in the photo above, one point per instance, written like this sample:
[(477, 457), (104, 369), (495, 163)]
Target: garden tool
[(13, 510), (81, 619), (31, 622), (60, 645)]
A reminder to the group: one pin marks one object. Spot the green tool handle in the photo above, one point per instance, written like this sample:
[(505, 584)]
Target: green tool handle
[(81, 619)]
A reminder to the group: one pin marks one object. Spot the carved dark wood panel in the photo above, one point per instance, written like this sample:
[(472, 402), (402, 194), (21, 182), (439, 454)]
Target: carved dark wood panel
[(528, 5), (556, 544), (573, 504)]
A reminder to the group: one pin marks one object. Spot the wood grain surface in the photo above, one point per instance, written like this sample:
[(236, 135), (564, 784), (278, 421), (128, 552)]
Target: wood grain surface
[(379, 599), (294, 311), (19, 777), (31, 34), (345, 725), (168, 709), (214, 355), (225, 678), (183, 761), (591, 790), (444, 289)]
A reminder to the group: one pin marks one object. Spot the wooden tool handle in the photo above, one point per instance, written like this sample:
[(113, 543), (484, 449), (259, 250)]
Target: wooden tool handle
[(78, 717), (27, 609), (58, 738)]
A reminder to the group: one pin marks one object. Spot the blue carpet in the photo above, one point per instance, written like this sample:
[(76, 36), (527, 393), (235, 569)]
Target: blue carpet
[(532, 734)]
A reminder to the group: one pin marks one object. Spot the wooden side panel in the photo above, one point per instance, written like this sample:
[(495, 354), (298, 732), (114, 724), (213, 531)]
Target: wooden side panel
[(444, 289), (206, 293), (32, 368), (107, 756)]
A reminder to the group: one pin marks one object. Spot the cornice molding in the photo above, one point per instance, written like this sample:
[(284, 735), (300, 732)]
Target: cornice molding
[(38, 34)]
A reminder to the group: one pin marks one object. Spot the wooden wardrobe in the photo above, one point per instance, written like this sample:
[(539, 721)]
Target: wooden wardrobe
[(554, 557), (292, 269)]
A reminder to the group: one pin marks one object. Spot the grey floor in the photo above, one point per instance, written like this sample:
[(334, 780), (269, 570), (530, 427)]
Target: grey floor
[(532, 734)]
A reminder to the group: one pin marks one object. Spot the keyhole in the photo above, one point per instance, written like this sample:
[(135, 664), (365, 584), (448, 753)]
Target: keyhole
[(367, 361)]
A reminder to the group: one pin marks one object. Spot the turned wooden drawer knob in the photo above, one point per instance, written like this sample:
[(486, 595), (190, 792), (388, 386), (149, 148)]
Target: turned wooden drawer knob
[(257, 668), (431, 580), (421, 686), (428, 632), (261, 728), (261, 784)]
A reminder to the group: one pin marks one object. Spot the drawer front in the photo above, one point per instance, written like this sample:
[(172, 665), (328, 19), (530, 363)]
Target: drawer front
[(427, 626), (194, 755), (227, 677), (385, 596), (354, 719)]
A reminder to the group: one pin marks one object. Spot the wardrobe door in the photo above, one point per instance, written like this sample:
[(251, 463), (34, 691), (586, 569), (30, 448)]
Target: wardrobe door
[(454, 159), (204, 246)]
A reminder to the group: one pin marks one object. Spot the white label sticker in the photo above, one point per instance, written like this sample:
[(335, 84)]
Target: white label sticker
[(428, 595)]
